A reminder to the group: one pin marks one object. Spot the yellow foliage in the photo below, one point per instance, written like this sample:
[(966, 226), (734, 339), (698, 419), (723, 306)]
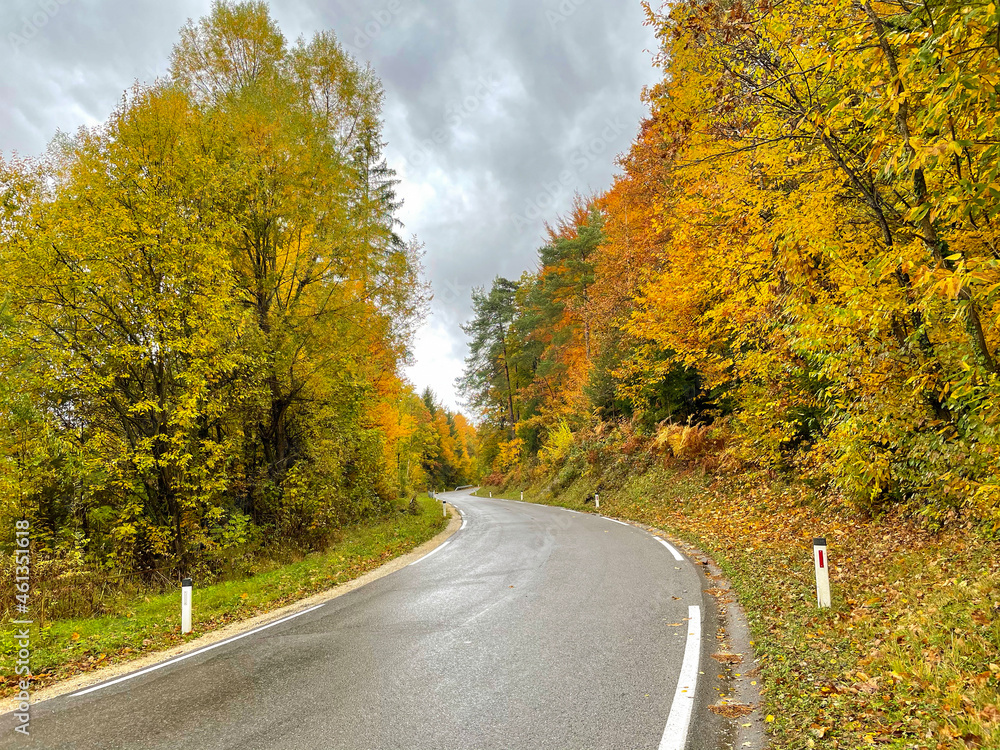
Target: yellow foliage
[(508, 456), (557, 445)]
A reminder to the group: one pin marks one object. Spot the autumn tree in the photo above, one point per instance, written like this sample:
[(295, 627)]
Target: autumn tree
[(490, 377), (207, 303), (556, 313), (800, 247)]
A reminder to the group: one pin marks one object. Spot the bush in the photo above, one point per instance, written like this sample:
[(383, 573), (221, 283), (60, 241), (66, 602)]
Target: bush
[(691, 444)]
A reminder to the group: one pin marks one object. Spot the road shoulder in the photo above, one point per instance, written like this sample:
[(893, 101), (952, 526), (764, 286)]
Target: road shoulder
[(728, 659), (114, 671)]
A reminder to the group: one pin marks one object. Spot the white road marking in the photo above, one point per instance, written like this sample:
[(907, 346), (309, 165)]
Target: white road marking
[(677, 555), (171, 662), (432, 552), (615, 520), (237, 637), (679, 721)]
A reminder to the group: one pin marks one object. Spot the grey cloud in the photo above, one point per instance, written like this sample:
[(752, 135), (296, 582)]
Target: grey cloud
[(471, 161), (72, 69)]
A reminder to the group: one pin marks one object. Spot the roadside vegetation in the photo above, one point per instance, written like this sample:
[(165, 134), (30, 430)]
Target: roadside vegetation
[(205, 309), (780, 322), (134, 621), (909, 654)]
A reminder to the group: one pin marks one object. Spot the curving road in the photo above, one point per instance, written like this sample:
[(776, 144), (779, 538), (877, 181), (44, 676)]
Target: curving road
[(532, 628)]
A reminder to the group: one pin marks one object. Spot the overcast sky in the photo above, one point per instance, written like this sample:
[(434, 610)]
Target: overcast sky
[(497, 112)]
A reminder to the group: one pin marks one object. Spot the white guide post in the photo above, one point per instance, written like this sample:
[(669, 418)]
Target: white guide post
[(522, 496), (444, 508), (821, 558), (186, 586), (597, 500)]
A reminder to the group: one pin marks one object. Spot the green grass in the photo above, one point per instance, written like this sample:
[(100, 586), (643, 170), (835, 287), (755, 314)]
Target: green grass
[(152, 623)]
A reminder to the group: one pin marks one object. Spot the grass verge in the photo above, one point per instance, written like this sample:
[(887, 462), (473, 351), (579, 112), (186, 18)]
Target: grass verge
[(907, 658), (63, 648)]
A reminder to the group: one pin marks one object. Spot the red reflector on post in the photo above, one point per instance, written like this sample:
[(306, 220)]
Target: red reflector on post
[(822, 572)]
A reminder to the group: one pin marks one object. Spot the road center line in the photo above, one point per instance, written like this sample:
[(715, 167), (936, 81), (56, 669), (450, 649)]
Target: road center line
[(676, 731), (153, 668), (677, 555)]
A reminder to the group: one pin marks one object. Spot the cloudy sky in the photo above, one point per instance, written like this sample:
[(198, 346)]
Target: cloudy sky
[(497, 112)]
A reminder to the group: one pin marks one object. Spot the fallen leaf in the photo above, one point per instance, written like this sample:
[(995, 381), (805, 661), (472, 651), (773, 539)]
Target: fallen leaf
[(728, 658), (731, 710)]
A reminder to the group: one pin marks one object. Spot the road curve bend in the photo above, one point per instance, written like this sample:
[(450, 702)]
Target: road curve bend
[(533, 627)]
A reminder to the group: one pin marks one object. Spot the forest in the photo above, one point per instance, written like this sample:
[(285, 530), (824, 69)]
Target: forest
[(205, 310), (795, 272)]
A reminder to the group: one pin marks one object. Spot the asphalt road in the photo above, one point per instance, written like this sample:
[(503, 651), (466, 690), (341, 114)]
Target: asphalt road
[(532, 628)]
